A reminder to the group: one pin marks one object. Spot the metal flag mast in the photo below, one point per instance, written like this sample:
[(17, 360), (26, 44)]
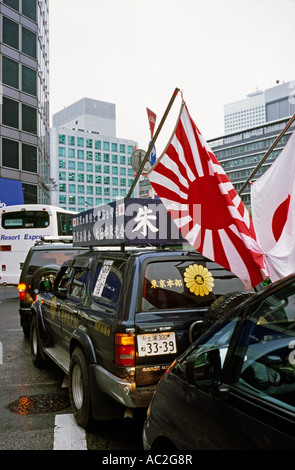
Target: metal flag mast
[(267, 154), (152, 143)]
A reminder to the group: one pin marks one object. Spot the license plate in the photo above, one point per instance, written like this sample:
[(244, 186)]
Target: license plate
[(155, 344)]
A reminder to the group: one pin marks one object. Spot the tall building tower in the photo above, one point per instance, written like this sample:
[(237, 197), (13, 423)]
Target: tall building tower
[(90, 166), (24, 88)]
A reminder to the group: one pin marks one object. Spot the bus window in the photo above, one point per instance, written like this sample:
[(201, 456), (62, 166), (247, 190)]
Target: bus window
[(25, 219), (64, 224)]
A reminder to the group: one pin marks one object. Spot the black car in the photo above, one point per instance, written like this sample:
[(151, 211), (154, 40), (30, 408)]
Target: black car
[(115, 320), (234, 388), (42, 261)]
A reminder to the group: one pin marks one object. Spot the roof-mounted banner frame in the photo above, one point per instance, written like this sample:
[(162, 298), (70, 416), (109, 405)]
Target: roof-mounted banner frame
[(128, 221)]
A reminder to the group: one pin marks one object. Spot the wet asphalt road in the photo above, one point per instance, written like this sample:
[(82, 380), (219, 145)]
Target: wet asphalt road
[(37, 394)]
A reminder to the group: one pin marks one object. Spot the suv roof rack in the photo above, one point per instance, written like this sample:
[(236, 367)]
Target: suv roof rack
[(55, 239)]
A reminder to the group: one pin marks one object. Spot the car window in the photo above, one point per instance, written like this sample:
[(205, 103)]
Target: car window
[(176, 284), (41, 258), (78, 283), (62, 279), (108, 279), (266, 352)]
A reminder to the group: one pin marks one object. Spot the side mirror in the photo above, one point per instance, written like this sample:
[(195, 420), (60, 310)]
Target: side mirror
[(204, 368), (45, 286)]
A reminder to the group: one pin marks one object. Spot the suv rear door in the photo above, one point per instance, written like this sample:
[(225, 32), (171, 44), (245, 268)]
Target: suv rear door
[(175, 291)]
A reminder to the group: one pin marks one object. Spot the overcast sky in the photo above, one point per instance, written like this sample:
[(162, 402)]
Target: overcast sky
[(135, 52)]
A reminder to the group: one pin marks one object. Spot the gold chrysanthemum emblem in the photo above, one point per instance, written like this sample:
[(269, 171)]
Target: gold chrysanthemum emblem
[(198, 279)]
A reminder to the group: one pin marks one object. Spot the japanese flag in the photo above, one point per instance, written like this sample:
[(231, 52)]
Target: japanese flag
[(204, 204), (273, 211)]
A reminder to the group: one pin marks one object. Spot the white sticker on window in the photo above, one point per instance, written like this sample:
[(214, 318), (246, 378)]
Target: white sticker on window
[(102, 277)]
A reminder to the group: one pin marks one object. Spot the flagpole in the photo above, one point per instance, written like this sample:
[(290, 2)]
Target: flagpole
[(152, 143), (267, 154)]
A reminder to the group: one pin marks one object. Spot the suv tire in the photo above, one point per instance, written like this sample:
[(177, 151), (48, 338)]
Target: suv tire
[(221, 306), (79, 387), (36, 344)]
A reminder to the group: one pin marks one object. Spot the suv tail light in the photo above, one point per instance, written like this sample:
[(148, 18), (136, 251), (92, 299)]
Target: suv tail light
[(22, 291), (125, 349)]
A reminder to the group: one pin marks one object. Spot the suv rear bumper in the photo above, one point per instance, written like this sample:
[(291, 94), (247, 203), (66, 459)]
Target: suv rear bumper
[(122, 390)]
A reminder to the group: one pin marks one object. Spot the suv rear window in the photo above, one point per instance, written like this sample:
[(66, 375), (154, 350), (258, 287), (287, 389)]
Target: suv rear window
[(42, 258), (167, 285)]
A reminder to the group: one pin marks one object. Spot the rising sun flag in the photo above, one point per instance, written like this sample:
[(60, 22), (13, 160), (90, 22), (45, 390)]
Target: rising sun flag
[(204, 204)]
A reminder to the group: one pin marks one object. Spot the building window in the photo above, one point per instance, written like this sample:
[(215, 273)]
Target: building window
[(72, 200), (97, 156), (81, 177), (72, 188), (81, 154), (29, 119), (89, 155), (115, 159), (89, 167), (10, 116), (81, 188), (29, 43), (122, 160), (71, 165), (80, 142), (98, 144), (29, 81), (114, 147), (122, 148), (89, 143), (71, 140), (106, 146), (72, 176), (71, 153), (62, 176), (29, 158), (61, 164), (10, 153), (61, 151), (12, 4), (62, 187), (62, 199), (81, 200), (80, 166), (61, 139), (10, 33), (9, 72), (29, 9), (89, 190), (89, 178)]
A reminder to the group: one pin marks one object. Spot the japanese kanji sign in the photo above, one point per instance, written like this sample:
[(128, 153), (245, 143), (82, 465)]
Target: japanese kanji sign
[(126, 221)]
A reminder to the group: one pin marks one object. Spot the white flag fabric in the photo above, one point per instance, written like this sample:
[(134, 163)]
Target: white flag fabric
[(273, 212), (204, 204)]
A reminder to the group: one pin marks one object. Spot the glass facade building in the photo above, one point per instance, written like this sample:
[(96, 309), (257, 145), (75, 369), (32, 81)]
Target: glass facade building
[(24, 82), (89, 164)]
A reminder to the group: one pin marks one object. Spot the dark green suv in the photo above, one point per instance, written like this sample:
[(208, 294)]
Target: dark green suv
[(115, 320)]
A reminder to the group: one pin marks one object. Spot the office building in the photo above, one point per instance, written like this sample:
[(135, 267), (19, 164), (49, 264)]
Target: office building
[(24, 80), (239, 153), (89, 164), (259, 107)]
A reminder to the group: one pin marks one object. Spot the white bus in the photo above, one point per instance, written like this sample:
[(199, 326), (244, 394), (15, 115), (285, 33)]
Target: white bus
[(20, 227)]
